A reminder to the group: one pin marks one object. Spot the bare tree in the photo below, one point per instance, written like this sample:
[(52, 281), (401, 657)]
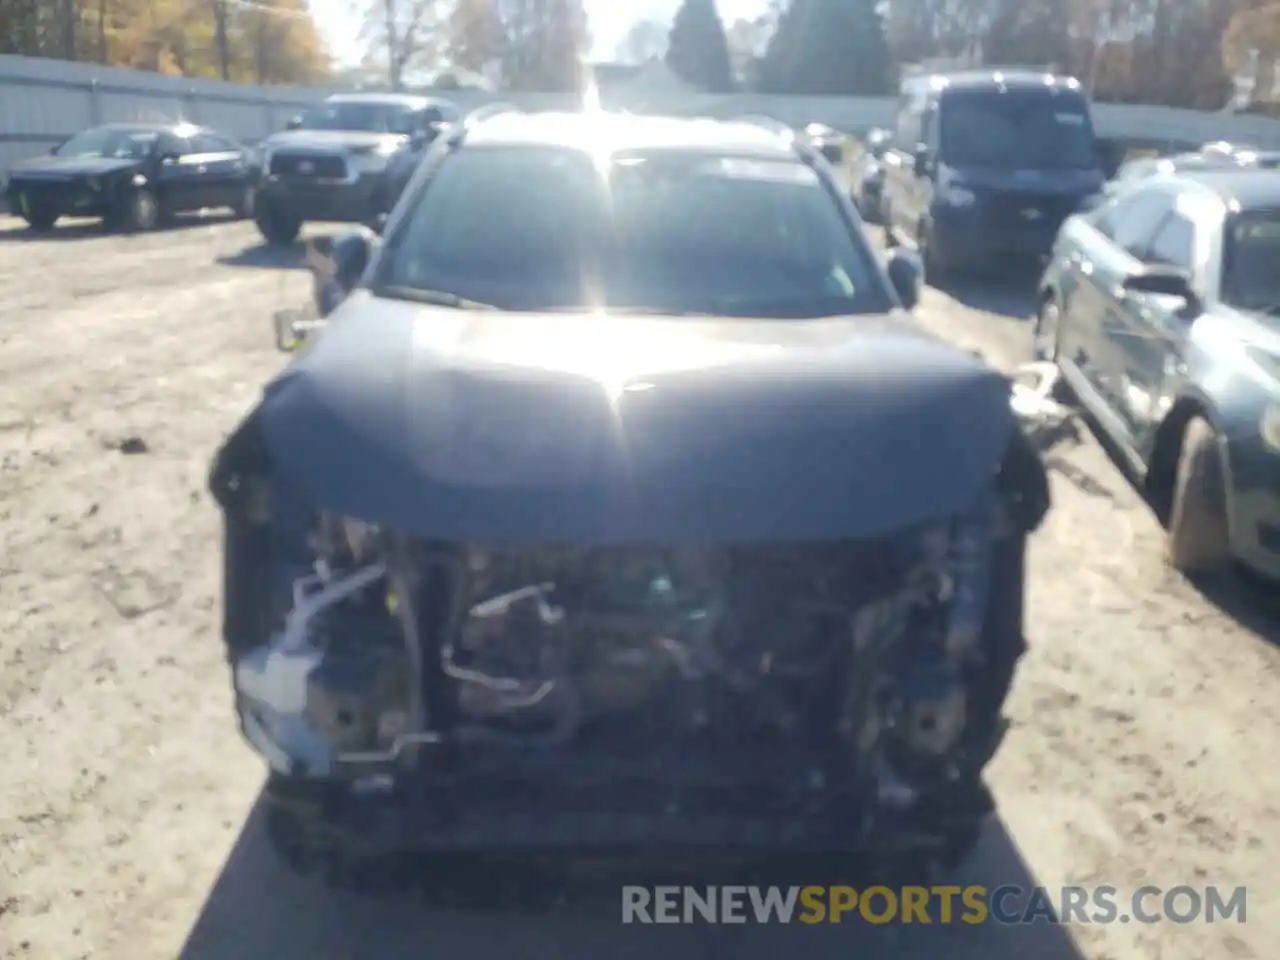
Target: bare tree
[(644, 40), (404, 35)]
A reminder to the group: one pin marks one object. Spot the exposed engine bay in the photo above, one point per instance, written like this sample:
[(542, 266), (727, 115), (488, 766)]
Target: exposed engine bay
[(844, 674)]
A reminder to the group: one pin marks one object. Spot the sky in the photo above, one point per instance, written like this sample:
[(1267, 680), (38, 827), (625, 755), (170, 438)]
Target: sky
[(610, 20)]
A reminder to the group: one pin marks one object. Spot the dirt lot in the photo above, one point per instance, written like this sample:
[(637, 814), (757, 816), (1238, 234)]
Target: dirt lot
[(1144, 715)]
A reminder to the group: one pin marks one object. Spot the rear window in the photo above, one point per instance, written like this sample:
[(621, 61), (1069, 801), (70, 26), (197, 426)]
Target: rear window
[(1017, 130), (542, 228)]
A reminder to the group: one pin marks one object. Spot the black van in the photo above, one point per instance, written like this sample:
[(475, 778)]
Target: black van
[(986, 164)]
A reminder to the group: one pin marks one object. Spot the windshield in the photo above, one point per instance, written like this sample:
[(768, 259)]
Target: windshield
[(109, 142), (365, 117), (1250, 280), (1008, 131), (539, 228)]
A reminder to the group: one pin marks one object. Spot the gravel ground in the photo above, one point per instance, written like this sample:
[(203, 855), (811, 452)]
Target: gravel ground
[(1144, 712)]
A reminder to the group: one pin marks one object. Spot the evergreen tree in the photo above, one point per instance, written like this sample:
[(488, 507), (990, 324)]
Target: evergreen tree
[(698, 50), (829, 47)]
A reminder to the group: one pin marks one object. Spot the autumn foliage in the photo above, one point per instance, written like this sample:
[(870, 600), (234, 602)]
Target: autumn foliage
[(264, 41)]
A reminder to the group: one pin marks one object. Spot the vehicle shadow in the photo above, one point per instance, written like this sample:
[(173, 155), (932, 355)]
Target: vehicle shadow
[(259, 909), (1252, 602), (1245, 597), (1010, 292), (291, 256), (14, 230)]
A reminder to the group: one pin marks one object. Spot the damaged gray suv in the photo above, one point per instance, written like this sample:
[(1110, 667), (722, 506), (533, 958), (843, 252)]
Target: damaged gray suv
[(621, 502)]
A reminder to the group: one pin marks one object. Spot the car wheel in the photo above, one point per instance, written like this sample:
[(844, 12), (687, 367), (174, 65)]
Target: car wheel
[(41, 221), (243, 208), (1044, 343), (138, 210), (1199, 541), (936, 269), (1045, 337), (275, 227)]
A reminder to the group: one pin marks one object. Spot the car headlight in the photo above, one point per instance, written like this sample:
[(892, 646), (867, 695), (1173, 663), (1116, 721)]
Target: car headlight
[(957, 196), (386, 148), (1269, 426)]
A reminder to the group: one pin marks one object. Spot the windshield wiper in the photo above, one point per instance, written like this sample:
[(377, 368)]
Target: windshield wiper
[(438, 298)]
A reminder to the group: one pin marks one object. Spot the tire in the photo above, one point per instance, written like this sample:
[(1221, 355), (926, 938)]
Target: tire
[(1199, 541), (937, 272), (243, 208), (137, 211), (41, 221), (276, 228), (1045, 335)]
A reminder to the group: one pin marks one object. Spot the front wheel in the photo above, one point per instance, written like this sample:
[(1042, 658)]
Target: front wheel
[(938, 269), (1199, 541), (137, 211), (41, 221), (276, 228), (242, 209)]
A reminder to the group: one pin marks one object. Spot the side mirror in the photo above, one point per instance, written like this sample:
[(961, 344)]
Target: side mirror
[(833, 150), (921, 160), (906, 274), (295, 123), (1163, 281), (337, 264)]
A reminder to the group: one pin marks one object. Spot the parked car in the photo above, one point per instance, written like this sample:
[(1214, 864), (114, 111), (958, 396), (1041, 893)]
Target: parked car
[(986, 165), (345, 160), (1162, 309), (621, 502), (1216, 158), (868, 175), (827, 141), (134, 176)]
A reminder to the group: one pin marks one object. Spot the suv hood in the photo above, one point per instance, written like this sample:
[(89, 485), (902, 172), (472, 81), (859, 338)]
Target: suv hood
[(519, 427), (65, 168), (357, 140)]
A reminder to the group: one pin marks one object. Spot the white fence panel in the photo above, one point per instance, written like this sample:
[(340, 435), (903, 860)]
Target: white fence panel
[(43, 101)]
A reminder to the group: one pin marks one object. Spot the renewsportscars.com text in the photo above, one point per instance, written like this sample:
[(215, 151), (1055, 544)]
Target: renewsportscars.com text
[(933, 905)]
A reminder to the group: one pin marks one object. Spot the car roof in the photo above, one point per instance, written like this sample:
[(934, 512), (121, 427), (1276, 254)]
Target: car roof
[(167, 127), (398, 99), (619, 131), (1240, 189), (1012, 79)]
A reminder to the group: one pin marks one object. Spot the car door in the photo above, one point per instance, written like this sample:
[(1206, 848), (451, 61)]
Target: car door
[(178, 176), (1151, 329), (1123, 229), (221, 167)]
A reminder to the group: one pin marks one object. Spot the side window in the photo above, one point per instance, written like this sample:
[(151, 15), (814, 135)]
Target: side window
[(212, 143), (1131, 222), (1174, 243), (169, 145)]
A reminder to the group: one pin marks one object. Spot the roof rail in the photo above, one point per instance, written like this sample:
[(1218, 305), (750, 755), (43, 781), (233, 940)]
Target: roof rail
[(768, 123), (935, 67), (457, 130), (480, 114)]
